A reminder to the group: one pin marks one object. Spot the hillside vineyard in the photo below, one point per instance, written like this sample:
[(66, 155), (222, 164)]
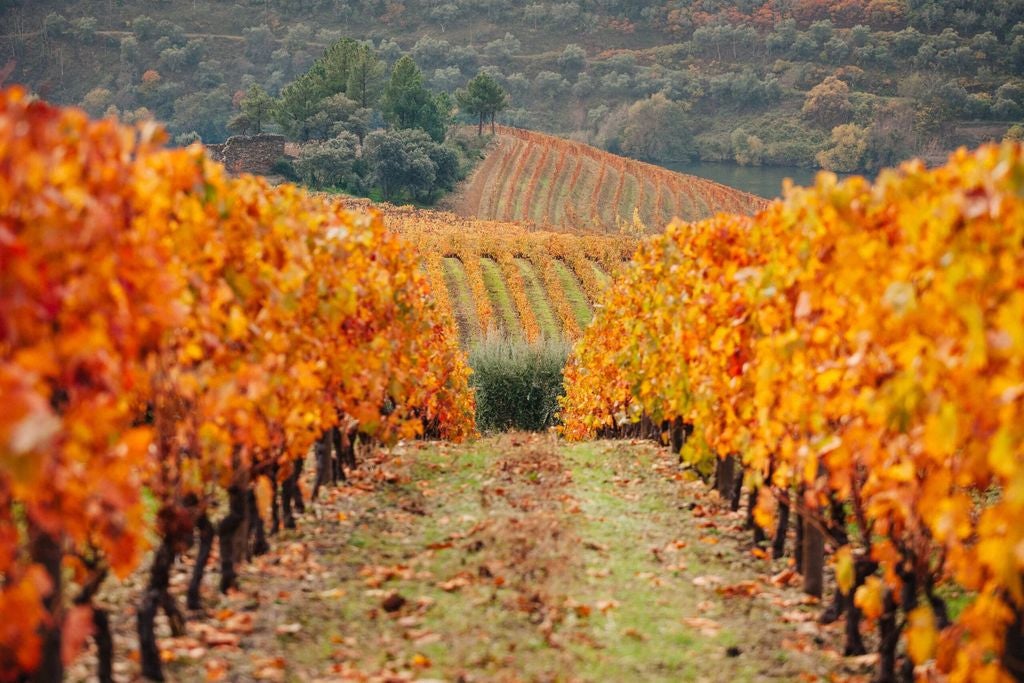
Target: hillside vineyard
[(494, 276), (552, 183)]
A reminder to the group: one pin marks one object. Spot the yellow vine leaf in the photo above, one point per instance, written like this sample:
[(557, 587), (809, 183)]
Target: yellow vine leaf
[(845, 571), (922, 636), (869, 597)]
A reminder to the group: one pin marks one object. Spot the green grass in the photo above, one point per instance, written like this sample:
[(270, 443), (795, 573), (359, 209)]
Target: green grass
[(606, 197), (501, 300), (524, 520), (538, 298), (462, 299), (601, 275), (505, 189), (666, 649), (627, 202), (540, 195), (518, 185), (574, 294)]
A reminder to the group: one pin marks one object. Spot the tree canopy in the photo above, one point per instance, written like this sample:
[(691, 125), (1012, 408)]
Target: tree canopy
[(482, 97), (407, 103)]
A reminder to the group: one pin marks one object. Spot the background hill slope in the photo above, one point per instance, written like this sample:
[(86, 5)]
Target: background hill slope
[(913, 77), (554, 183)]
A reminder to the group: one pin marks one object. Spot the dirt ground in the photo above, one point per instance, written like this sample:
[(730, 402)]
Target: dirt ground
[(515, 558)]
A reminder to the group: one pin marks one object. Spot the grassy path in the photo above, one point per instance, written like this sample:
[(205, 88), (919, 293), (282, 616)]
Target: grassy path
[(516, 558)]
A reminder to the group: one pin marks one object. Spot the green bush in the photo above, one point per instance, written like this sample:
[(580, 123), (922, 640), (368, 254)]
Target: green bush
[(517, 384)]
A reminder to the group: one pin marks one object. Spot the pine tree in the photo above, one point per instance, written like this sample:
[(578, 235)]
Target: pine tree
[(257, 106), (482, 97), (366, 72)]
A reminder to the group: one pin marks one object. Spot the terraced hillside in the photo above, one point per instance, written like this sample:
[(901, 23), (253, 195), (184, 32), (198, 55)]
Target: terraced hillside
[(559, 184), (503, 277)]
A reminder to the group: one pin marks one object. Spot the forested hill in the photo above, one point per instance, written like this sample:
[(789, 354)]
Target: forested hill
[(846, 84)]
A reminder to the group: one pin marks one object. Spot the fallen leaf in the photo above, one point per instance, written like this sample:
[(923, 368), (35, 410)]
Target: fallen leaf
[(440, 546), (706, 627), (216, 669), (268, 668), (454, 584), (784, 578), (215, 638), (742, 589), (288, 629), (239, 623), (706, 580), (393, 602), (797, 617)]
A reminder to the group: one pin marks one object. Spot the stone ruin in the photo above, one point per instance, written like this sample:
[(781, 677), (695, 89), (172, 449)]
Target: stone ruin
[(249, 153)]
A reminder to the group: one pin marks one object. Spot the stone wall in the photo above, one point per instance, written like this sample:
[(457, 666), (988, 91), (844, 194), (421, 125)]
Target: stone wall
[(249, 153)]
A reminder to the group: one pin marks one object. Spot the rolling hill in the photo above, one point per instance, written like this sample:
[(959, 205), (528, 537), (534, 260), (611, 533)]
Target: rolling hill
[(559, 184)]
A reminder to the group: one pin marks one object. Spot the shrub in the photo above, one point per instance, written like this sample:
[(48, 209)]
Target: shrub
[(517, 384), (285, 168), (329, 163)]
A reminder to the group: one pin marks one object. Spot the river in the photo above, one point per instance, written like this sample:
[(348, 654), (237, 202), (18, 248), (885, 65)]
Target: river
[(764, 181)]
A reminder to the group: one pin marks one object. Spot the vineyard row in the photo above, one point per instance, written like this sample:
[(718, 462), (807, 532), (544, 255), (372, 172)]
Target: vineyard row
[(854, 356), (168, 329), (564, 185), (527, 284)]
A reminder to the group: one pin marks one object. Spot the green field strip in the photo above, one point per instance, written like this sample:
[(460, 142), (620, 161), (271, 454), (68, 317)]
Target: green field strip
[(667, 204), (485, 176), (462, 299), (575, 201), (518, 183), (685, 207), (558, 179), (701, 207), (502, 186), (574, 294), (654, 223), (546, 319), (627, 202), (602, 276), (539, 203), (565, 194), (501, 300), (533, 176), (606, 198)]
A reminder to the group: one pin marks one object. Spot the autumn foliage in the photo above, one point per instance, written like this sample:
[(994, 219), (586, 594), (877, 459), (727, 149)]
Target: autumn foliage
[(166, 327), (861, 348), (587, 257)]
